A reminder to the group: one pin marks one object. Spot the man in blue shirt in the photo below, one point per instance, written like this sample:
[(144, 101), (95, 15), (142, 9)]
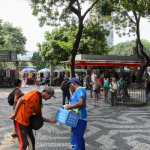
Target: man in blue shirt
[(78, 100)]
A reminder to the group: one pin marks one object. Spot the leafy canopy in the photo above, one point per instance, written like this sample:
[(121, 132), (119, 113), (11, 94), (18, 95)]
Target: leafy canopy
[(2, 41), (38, 65), (126, 48), (123, 14), (13, 38), (59, 43), (56, 12)]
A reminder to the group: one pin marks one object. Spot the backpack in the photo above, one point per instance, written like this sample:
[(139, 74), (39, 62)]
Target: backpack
[(11, 97), (112, 84), (36, 121), (65, 87)]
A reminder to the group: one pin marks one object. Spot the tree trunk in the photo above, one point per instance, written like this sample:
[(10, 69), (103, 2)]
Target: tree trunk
[(142, 55), (74, 50)]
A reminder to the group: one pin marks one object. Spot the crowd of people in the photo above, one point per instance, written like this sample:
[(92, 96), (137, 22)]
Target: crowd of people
[(25, 106), (96, 84)]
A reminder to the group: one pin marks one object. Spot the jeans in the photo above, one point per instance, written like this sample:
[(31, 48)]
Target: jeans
[(65, 93), (114, 98)]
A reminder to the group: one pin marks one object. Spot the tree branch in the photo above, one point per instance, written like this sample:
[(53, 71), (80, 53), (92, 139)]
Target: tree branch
[(130, 18), (78, 6), (73, 9), (89, 9)]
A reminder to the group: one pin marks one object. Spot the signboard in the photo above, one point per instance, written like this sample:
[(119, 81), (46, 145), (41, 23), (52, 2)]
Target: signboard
[(8, 55), (67, 117)]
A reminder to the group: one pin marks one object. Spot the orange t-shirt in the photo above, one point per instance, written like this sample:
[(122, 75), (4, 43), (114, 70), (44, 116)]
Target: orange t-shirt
[(29, 106)]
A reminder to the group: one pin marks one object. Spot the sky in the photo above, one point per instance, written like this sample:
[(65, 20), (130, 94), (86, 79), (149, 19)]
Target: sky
[(19, 13)]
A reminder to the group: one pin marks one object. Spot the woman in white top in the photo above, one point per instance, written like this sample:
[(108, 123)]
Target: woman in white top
[(96, 90)]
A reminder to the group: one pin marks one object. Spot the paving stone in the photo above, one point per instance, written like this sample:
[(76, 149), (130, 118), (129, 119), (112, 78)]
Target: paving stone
[(108, 128)]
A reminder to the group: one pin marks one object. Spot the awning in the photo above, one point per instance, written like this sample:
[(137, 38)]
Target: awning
[(96, 63)]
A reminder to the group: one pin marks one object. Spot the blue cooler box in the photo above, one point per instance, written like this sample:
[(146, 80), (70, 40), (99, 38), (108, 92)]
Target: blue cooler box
[(67, 117)]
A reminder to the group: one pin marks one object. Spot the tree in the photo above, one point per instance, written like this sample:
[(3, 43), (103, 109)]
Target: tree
[(59, 43), (56, 11), (123, 19), (24, 64), (38, 65), (13, 38), (2, 41), (126, 48)]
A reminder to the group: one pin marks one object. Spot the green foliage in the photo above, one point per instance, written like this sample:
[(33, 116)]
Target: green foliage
[(126, 48), (124, 22), (39, 65), (13, 38), (24, 64), (2, 41), (59, 43)]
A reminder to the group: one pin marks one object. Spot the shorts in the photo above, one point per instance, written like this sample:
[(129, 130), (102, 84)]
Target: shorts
[(96, 91), (88, 87), (37, 82), (120, 89)]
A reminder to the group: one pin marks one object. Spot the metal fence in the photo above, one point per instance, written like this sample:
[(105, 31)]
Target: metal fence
[(133, 95)]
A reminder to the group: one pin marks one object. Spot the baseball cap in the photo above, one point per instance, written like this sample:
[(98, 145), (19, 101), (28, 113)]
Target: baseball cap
[(73, 80), (50, 90)]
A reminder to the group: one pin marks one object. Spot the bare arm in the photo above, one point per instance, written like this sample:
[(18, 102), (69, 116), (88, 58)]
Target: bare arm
[(16, 98), (49, 121), (20, 100), (79, 104)]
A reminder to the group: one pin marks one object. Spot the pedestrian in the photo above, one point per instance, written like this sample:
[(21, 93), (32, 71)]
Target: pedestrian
[(96, 90), (116, 75), (65, 90), (17, 94), (113, 88), (88, 83), (26, 106), (100, 80), (38, 80), (106, 84), (121, 85), (76, 75), (78, 100), (93, 76), (133, 78), (147, 87), (102, 77), (81, 78)]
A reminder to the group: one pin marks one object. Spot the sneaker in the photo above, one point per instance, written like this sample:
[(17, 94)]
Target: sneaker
[(14, 135)]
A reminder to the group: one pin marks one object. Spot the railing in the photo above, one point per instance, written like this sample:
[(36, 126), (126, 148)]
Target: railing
[(133, 95)]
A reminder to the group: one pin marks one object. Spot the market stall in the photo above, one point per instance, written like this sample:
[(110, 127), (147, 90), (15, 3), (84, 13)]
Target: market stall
[(29, 76)]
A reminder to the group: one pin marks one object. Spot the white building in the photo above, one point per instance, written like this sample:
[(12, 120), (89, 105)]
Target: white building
[(108, 26)]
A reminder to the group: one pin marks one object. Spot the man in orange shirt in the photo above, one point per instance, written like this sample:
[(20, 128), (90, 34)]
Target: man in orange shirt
[(28, 105)]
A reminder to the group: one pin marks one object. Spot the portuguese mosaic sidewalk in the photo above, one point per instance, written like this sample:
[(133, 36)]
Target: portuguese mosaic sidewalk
[(109, 128)]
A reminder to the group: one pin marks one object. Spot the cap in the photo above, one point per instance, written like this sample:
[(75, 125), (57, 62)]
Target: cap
[(73, 80), (50, 90)]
